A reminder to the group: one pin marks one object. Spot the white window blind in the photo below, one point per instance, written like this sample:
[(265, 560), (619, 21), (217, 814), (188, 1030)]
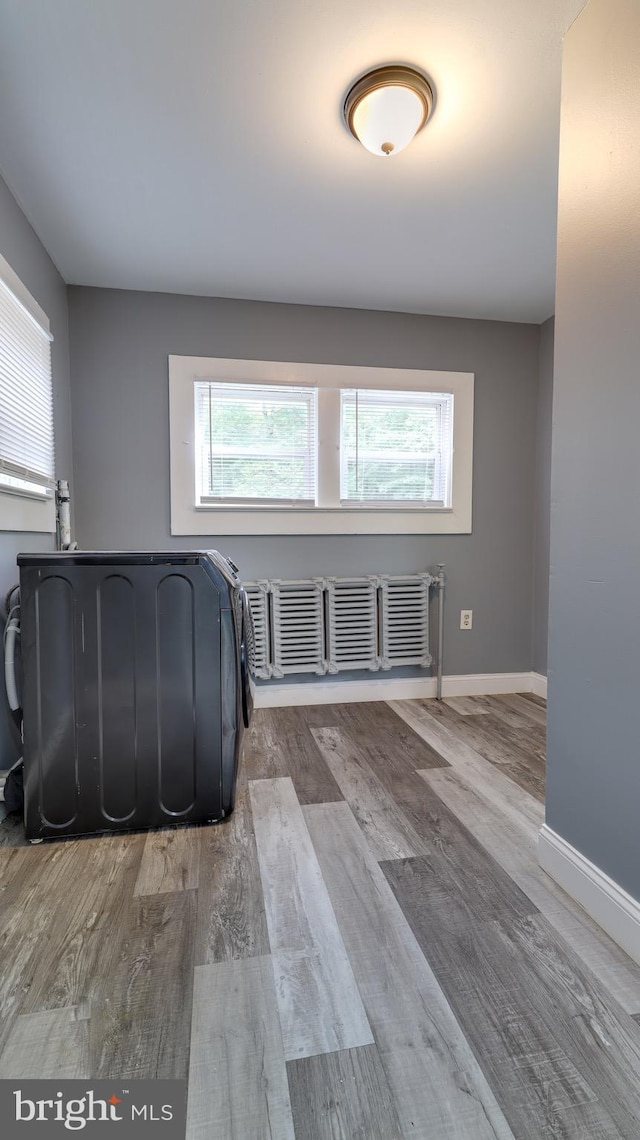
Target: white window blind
[(26, 402), (396, 447), (255, 443)]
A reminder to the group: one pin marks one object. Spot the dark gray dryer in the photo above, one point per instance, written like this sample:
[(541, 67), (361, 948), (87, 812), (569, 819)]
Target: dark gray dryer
[(136, 689)]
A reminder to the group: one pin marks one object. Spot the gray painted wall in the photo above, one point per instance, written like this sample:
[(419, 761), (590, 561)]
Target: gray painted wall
[(28, 258), (593, 784), (119, 347), (542, 501)]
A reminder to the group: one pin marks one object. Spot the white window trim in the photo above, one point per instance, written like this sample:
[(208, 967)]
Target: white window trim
[(21, 512), (187, 519)]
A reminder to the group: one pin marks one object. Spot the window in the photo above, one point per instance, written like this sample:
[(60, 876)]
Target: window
[(255, 442), (26, 410), (395, 447), (268, 447)]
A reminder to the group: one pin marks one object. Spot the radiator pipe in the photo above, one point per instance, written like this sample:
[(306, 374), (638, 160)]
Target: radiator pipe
[(64, 515), (441, 584)]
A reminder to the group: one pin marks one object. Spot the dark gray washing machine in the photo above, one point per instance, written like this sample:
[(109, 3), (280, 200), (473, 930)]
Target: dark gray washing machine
[(135, 689)]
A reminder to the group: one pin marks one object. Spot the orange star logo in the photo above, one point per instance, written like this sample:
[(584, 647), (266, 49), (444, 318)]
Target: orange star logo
[(114, 1100)]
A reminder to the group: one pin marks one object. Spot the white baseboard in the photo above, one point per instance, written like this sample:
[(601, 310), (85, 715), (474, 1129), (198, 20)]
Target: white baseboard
[(606, 901), (539, 685), (274, 695)]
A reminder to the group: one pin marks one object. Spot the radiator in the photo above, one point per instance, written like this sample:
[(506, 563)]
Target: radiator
[(326, 625)]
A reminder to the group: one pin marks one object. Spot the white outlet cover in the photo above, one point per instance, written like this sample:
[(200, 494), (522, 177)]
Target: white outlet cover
[(466, 619)]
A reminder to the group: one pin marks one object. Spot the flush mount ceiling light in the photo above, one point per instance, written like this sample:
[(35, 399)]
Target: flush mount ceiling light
[(387, 107)]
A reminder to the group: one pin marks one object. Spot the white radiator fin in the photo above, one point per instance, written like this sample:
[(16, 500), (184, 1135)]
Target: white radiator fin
[(352, 623), (325, 625), (298, 627), (258, 595), (404, 624)]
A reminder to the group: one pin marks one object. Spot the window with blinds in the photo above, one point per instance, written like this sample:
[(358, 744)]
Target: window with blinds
[(396, 447), (255, 444), (26, 401)]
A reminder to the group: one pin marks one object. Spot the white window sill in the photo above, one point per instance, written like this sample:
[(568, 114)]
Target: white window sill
[(318, 520), (22, 512)]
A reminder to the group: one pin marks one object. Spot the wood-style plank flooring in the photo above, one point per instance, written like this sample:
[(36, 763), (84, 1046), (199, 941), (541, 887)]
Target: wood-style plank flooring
[(366, 950)]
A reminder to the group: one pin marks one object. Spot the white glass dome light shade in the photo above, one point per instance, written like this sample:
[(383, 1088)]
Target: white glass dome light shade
[(386, 108), (386, 120)]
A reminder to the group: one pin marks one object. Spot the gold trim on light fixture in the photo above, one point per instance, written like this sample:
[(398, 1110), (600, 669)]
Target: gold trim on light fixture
[(384, 77)]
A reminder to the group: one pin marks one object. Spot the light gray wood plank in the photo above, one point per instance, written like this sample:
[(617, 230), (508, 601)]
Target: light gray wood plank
[(237, 1076), (21, 869), (262, 754), (279, 744), (60, 903), (52, 1044), (516, 852), (36, 883), (452, 851), (71, 953), (170, 861), (468, 706), (438, 1087), (231, 917), (342, 1096), (525, 811), (320, 1007), (141, 1003), (388, 831), (561, 1056), (311, 778), (382, 734), (519, 712), (535, 699), (519, 750)]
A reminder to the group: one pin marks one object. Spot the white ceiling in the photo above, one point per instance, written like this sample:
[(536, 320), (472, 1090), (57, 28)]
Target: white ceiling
[(198, 147)]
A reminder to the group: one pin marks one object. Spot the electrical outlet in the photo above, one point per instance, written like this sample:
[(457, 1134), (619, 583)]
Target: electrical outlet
[(466, 619)]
